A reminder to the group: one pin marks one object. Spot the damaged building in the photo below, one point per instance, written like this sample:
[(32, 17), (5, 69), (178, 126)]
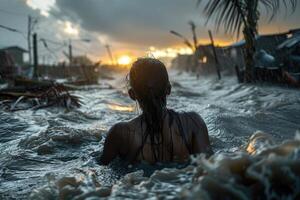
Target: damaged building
[(12, 61), (272, 51)]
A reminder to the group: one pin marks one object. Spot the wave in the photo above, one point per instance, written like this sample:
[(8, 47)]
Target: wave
[(267, 171)]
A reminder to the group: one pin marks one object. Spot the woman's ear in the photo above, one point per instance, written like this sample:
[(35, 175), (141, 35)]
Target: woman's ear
[(132, 94), (169, 88)]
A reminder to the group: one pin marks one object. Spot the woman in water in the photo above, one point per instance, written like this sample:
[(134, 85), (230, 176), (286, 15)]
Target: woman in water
[(159, 134)]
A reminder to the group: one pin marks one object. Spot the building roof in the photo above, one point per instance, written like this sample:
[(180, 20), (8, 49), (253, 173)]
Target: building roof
[(290, 43), (242, 42), (14, 47), (293, 31)]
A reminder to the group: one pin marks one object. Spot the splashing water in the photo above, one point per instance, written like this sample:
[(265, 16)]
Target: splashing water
[(51, 154)]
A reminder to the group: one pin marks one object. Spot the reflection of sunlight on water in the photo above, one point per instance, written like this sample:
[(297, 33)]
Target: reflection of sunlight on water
[(121, 108)]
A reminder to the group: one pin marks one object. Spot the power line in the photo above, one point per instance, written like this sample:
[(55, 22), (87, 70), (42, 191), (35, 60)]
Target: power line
[(53, 42), (13, 30), (10, 29)]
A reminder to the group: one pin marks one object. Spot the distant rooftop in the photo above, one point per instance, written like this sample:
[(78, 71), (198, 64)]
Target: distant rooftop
[(242, 42), (290, 43), (295, 31), (14, 47)]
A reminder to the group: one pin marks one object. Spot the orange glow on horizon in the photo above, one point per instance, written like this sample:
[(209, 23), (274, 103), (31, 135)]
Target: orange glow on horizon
[(218, 42), (124, 60), (168, 52)]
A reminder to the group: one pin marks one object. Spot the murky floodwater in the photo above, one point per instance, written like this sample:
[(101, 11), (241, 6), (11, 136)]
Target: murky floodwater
[(50, 154)]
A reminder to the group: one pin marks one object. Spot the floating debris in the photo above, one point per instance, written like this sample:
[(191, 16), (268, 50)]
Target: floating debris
[(30, 94)]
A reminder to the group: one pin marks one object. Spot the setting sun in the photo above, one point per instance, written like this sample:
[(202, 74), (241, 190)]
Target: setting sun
[(124, 60)]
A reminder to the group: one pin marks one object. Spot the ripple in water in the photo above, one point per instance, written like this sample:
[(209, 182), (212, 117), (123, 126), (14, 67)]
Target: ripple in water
[(270, 173), (52, 154)]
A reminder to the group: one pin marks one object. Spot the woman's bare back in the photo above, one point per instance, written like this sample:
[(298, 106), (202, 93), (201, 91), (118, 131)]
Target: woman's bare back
[(182, 134)]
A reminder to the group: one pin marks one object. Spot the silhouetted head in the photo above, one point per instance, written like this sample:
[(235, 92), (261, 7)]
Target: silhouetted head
[(149, 80), (150, 86)]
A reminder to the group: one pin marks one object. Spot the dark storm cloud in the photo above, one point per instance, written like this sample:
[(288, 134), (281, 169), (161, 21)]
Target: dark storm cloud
[(143, 21), (130, 24), (133, 21)]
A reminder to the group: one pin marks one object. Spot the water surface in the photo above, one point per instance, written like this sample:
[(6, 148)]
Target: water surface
[(43, 151)]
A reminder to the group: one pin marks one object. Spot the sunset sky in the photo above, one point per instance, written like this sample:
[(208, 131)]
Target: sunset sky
[(130, 27)]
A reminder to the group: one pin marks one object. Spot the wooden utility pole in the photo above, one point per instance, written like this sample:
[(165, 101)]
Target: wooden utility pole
[(215, 54), (70, 52), (35, 56), (110, 54), (29, 38), (195, 38)]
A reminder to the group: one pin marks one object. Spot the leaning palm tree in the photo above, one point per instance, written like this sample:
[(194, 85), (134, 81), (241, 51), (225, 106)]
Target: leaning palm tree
[(243, 15)]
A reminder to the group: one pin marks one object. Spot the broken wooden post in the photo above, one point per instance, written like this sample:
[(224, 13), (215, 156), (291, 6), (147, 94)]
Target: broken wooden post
[(35, 57), (70, 52), (215, 54), (238, 74)]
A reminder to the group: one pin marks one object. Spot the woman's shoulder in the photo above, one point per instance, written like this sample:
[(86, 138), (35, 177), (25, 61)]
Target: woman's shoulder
[(125, 126), (192, 120), (189, 116), (118, 127)]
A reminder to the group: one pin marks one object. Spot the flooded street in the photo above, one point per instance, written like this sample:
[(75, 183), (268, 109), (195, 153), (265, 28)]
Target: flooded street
[(39, 148)]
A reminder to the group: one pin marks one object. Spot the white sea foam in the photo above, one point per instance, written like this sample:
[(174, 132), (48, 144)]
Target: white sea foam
[(51, 153)]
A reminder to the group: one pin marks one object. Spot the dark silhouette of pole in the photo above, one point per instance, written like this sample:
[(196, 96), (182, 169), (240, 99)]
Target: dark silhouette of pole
[(70, 47), (70, 52), (110, 54), (35, 56), (29, 38), (30, 28), (215, 54), (195, 38)]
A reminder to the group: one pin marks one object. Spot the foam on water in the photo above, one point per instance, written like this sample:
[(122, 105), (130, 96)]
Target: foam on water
[(50, 154), (271, 174)]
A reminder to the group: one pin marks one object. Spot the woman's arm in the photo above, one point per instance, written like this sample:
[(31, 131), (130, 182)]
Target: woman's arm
[(111, 145), (200, 139)]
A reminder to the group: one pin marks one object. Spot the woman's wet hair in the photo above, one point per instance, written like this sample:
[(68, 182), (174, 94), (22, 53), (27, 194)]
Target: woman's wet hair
[(149, 82)]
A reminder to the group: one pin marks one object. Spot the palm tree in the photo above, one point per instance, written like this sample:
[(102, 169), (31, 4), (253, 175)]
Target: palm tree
[(237, 15)]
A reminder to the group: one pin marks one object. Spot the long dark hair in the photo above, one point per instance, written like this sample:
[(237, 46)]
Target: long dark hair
[(149, 81)]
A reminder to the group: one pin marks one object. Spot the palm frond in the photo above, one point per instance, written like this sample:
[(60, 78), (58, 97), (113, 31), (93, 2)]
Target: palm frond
[(230, 14), (185, 40), (274, 6)]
